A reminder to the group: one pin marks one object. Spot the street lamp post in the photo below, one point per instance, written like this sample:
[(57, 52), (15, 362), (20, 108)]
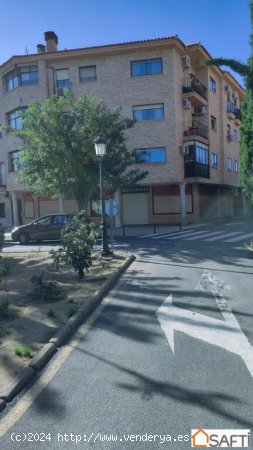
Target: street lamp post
[(100, 147)]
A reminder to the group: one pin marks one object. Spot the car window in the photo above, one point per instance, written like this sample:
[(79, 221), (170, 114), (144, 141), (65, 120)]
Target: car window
[(44, 220), (59, 220)]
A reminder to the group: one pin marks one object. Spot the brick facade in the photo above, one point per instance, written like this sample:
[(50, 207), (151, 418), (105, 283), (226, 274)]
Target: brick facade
[(117, 87)]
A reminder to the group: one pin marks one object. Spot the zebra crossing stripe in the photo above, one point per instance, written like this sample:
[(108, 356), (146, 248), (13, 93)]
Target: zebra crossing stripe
[(183, 235), (240, 238), (216, 238), (194, 238)]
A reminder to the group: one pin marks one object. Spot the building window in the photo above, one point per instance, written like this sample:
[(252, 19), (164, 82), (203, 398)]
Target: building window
[(150, 155), (236, 166), (213, 123), (146, 67), (87, 73), (2, 210), (236, 136), (22, 75), (151, 112), (212, 84), (14, 118), (62, 79), (230, 164), (2, 174), (16, 160), (201, 153), (214, 160)]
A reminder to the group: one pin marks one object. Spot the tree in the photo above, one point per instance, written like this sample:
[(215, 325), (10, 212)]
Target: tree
[(59, 155), (246, 129)]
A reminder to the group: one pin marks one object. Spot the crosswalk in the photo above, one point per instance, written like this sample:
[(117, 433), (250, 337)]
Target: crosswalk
[(207, 236)]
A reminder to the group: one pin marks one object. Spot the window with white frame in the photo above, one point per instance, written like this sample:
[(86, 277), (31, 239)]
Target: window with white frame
[(16, 160), (146, 67), (14, 118), (148, 112), (212, 84), (236, 166), (62, 79), (230, 164), (87, 73), (22, 75), (214, 160), (2, 174)]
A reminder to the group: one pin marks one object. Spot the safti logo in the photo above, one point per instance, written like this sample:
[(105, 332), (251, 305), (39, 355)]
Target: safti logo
[(220, 438)]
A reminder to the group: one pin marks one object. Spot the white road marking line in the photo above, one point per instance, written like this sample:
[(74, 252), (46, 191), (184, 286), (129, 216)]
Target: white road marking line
[(225, 334), (240, 238), (234, 223), (225, 235), (183, 235), (194, 238), (174, 234)]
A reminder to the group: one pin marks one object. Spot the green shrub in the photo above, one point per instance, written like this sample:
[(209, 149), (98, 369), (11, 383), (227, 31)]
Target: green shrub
[(50, 314), (77, 238), (47, 291), (23, 352), (71, 312)]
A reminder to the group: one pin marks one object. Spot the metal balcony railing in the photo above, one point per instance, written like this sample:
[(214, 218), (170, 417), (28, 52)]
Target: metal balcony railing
[(231, 108), (192, 84), (196, 129)]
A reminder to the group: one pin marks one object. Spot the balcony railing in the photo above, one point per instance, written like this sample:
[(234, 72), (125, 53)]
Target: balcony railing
[(192, 84), (231, 108), (194, 169), (196, 129)]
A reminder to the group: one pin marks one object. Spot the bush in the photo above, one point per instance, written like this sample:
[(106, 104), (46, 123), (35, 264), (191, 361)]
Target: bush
[(47, 291), (78, 238), (71, 312)]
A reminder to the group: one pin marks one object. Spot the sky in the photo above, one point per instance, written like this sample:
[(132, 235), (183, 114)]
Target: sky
[(222, 26)]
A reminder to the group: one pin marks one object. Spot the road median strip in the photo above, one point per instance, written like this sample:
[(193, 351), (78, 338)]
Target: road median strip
[(48, 350)]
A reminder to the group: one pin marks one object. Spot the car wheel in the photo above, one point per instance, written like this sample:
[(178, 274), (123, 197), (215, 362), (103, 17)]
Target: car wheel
[(24, 238)]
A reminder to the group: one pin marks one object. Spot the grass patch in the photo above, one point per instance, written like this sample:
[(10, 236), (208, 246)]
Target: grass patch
[(23, 352)]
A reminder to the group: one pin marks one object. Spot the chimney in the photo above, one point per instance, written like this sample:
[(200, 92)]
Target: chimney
[(51, 41), (41, 48)]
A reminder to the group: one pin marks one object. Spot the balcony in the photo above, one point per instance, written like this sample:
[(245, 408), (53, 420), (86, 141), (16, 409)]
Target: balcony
[(195, 130), (238, 116), (194, 169), (230, 110), (195, 90)]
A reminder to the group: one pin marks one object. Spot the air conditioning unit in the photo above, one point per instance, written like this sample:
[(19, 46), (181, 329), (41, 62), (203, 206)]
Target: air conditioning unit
[(186, 62), (184, 149), (187, 103), (199, 110)]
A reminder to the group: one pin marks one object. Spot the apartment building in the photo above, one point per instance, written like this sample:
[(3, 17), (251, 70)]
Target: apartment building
[(186, 132)]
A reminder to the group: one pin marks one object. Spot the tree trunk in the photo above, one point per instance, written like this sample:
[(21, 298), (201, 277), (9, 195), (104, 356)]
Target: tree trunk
[(81, 274)]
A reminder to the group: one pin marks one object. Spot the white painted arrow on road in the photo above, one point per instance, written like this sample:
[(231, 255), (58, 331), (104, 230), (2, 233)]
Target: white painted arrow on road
[(226, 334)]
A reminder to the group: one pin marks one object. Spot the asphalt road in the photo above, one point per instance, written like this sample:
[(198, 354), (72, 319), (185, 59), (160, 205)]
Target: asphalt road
[(145, 365)]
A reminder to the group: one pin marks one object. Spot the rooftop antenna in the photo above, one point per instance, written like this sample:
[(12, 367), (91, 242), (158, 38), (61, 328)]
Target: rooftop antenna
[(26, 51)]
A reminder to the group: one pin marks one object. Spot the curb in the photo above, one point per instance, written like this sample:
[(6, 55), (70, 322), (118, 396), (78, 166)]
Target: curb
[(64, 333)]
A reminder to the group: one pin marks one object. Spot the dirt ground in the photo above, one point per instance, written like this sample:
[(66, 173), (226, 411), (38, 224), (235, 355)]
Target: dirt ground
[(31, 321)]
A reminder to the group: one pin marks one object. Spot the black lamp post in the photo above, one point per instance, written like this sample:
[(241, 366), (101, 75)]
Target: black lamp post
[(100, 147)]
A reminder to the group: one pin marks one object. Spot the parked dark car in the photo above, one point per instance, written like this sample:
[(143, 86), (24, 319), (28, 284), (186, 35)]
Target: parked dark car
[(44, 228)]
